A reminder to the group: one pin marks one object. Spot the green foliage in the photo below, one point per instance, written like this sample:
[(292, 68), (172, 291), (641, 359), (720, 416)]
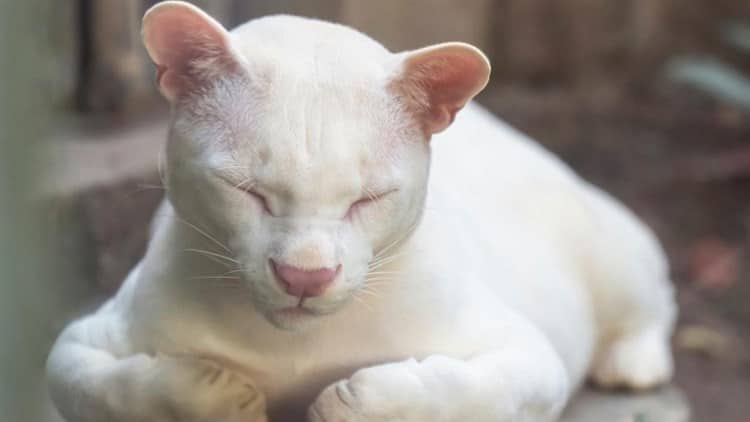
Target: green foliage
[(714, 76)]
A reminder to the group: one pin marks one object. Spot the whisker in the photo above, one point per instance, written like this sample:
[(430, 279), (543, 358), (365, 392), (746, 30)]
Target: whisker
[(383, 272), (218, 261), (363, 302), (383, 251), (235, 271), (396, 242), (212, 254), (223, 284), (383, 257), (387, 260), (369, 293), (380, 277), (376, 281), (214, 277), (203, 233), (380, 262), (381, 284), (372, 289)]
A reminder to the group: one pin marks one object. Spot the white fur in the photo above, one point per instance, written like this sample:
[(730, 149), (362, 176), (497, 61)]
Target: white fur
[(509, 279)]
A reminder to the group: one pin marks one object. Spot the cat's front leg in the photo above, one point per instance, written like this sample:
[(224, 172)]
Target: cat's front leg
[(90, 384), (518, 383)]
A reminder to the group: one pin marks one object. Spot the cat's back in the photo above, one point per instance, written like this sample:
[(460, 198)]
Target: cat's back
[(496, 170), (487, 147)]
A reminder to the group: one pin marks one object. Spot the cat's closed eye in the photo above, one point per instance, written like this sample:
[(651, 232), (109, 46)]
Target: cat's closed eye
[(260, 199), (356, 204), (243, 187), (366, 200)]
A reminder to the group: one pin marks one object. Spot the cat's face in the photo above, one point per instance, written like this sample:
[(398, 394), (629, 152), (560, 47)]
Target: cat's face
[(320, 168), (311, 178)]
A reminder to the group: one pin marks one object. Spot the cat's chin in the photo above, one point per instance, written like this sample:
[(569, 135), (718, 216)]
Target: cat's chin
[(296, 318)]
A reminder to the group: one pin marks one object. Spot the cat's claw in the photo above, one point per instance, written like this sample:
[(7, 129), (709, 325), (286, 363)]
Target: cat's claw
[(337, 403), (199, 389), (382, 393)]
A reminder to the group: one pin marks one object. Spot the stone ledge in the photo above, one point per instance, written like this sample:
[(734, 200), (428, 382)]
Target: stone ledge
[(79, 160), (664, 405), (667, 404)]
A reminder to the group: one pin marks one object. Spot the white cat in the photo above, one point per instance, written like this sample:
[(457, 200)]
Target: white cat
[(307, 265)]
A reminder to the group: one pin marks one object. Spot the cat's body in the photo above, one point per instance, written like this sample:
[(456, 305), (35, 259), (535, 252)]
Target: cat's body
[(518, 281)]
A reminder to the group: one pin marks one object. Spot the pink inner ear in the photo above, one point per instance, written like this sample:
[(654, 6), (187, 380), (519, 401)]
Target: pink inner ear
[(187, 46), (449, 79), (448, 82), (440, 81)]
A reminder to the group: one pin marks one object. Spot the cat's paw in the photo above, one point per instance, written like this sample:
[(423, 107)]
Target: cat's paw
[(199, 390), (639, 362), (382, 393)]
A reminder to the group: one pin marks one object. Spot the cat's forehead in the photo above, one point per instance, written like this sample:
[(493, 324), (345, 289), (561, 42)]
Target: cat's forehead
[(298, 130), (285, 38), (314, 96), (305, 126), (316, 146)]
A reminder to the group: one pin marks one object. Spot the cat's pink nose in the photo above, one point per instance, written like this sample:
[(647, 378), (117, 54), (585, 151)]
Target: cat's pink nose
[(304, 283)]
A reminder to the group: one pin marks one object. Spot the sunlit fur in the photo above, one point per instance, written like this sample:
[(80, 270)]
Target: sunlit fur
[(481, 279)]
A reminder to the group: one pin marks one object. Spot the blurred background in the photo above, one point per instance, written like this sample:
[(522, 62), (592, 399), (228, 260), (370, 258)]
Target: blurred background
[(649, 99)]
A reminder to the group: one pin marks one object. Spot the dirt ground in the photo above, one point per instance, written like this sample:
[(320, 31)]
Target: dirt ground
[(682, 162)]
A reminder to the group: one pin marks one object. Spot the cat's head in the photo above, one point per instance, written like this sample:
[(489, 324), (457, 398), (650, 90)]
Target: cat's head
[(303, 146)]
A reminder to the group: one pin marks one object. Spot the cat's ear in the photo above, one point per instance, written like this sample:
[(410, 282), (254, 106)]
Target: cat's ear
[(188, 47), (437, 81)]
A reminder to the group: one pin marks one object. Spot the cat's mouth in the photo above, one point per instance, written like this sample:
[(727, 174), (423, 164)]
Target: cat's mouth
[(305, 309), (298, 311), (295, 317)]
